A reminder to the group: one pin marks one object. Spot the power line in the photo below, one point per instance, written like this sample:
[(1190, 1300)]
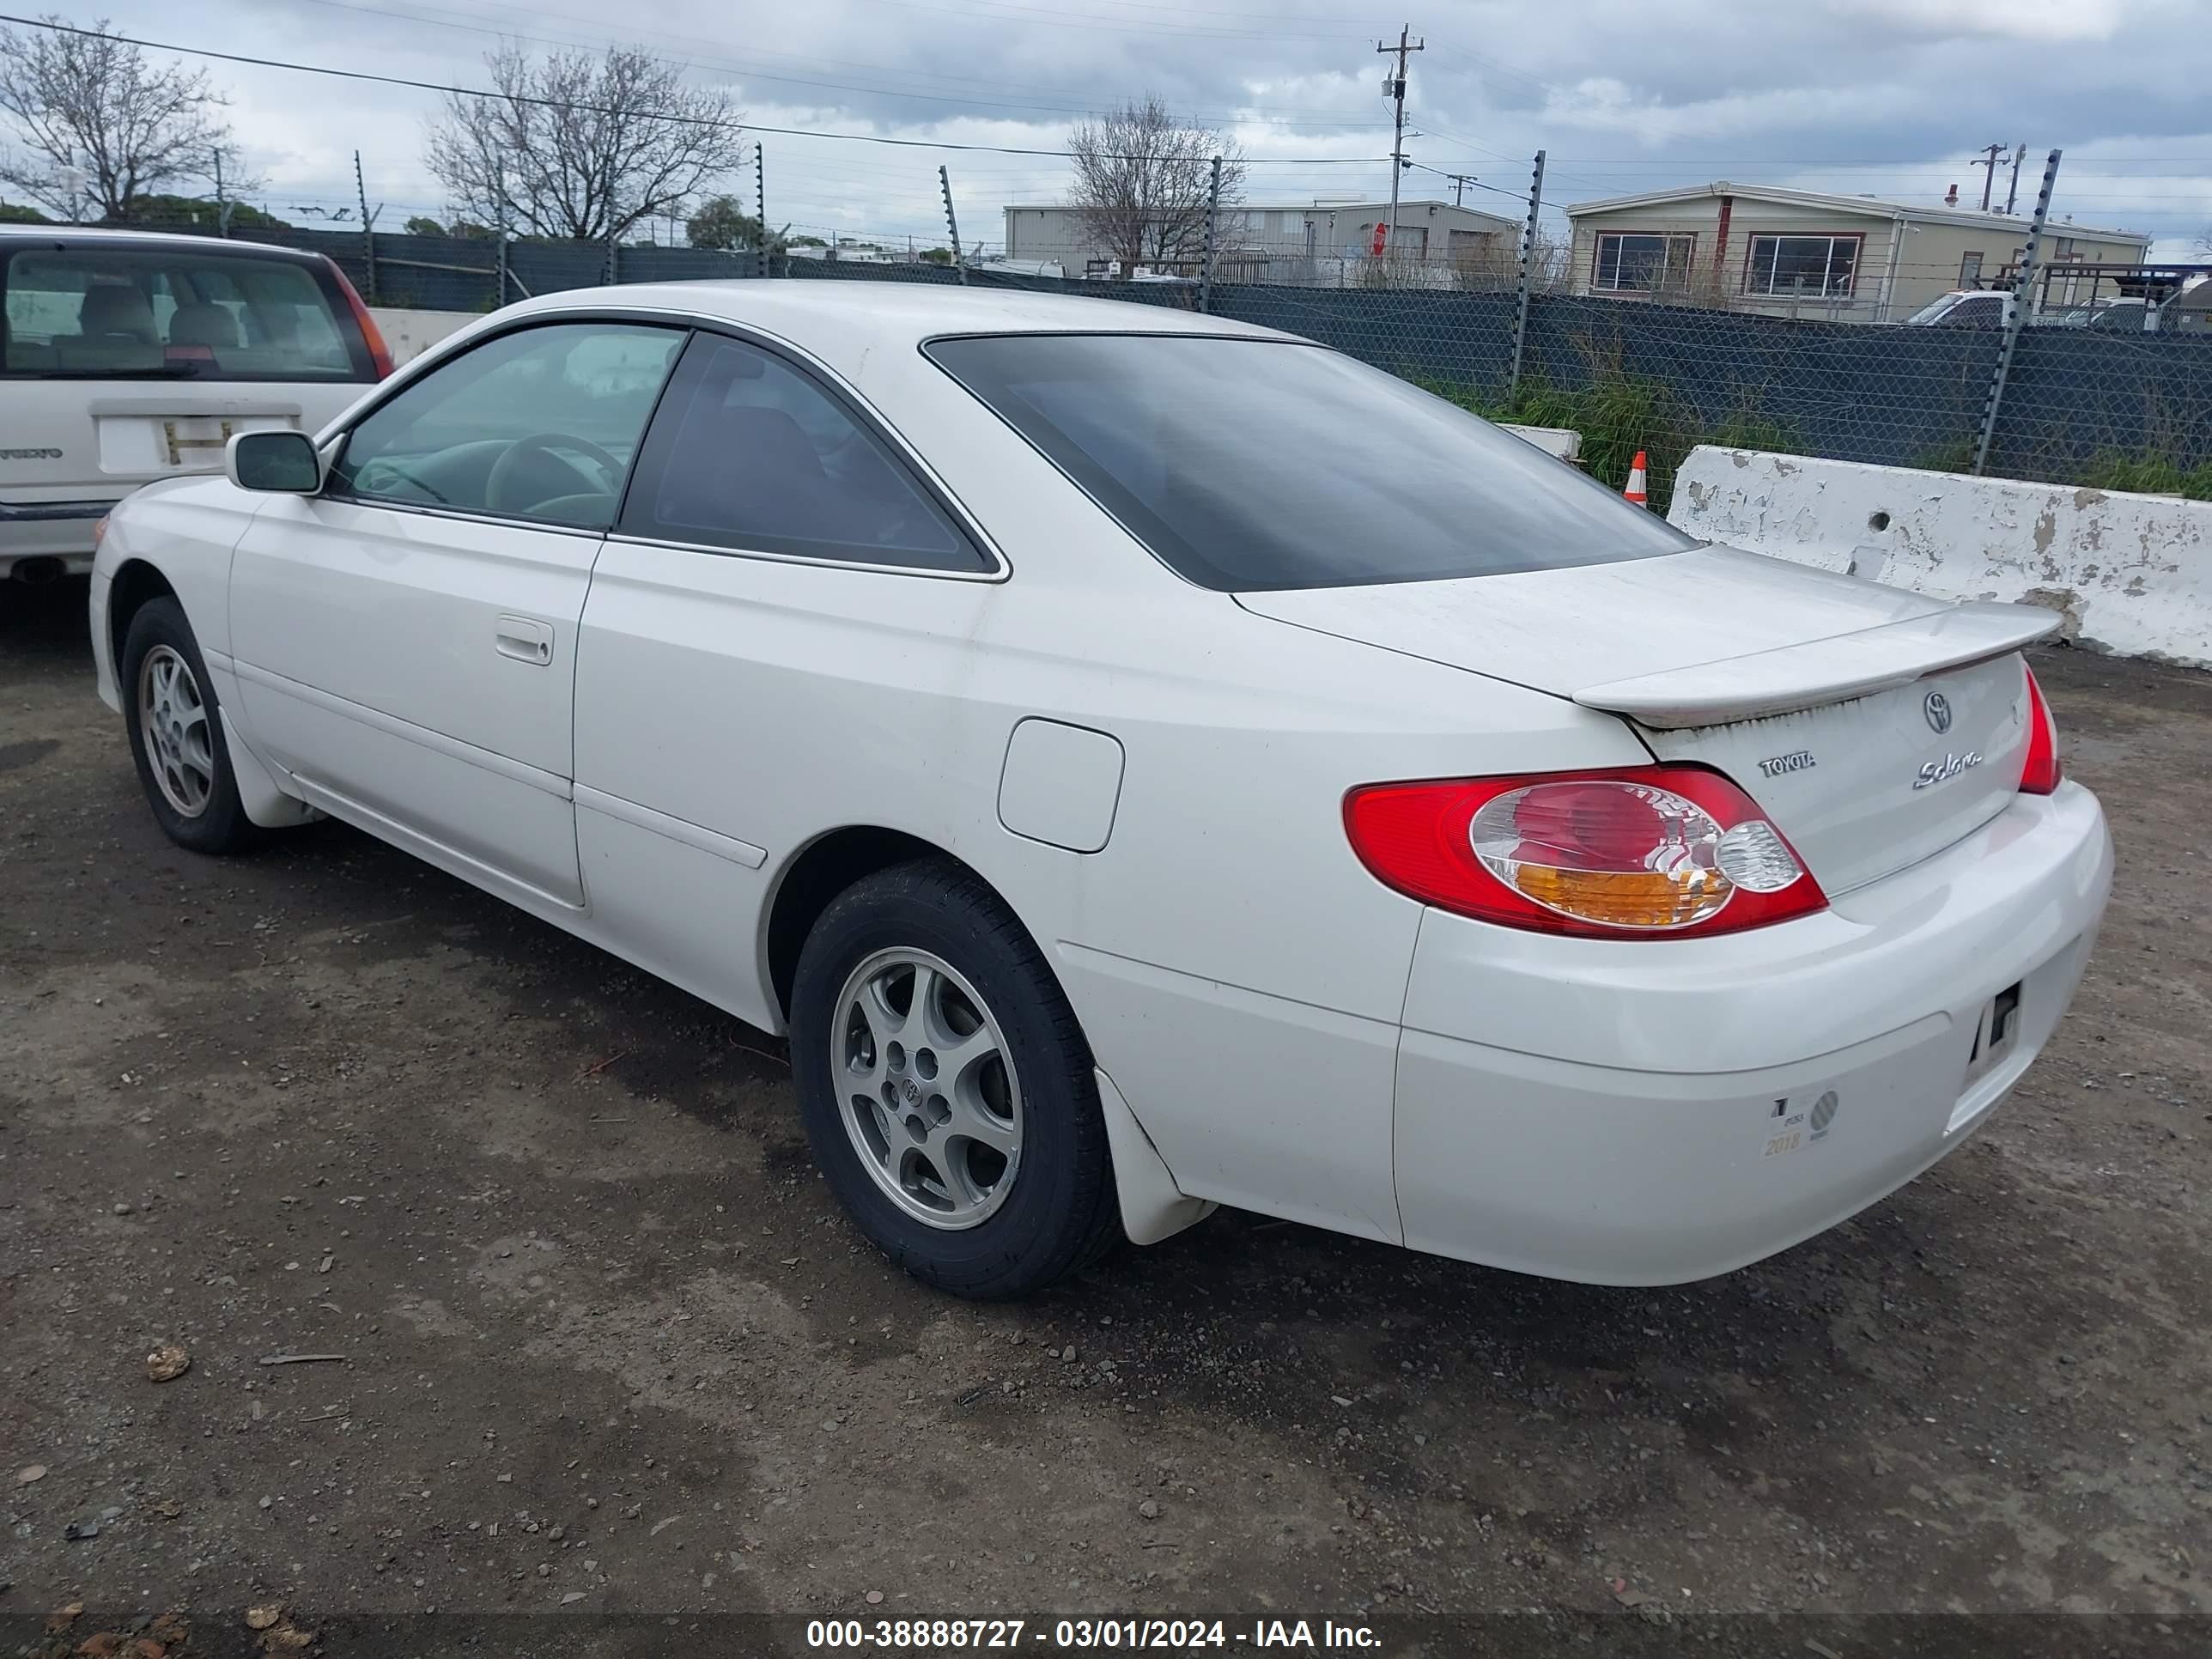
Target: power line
[(738, 67), (1469, 179), (450, 90)]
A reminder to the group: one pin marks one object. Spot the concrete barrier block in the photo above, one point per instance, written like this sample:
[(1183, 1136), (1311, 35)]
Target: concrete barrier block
[(1558, 440), (2130, 575), (410, 332)]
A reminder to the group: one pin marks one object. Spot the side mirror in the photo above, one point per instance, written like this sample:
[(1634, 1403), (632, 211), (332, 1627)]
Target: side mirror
[(280, 463)]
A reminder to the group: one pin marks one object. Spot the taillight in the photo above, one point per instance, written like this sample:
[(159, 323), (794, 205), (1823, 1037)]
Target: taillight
[(1645, 852), (379, 355), (2040, 774)]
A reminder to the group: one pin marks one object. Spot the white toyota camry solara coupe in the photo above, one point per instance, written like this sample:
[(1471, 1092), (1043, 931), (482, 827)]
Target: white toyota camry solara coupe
[(1143, 762)]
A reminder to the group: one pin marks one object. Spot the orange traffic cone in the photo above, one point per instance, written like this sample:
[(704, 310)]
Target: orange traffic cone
[(1635, 490)]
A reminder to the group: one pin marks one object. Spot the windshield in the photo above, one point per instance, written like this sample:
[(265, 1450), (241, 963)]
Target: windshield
[(85, 310), (1247, 465), (1935, 309)]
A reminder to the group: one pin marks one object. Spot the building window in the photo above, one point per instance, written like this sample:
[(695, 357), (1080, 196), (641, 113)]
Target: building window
[(1801, 264), (1633, 263), (1970, 270)]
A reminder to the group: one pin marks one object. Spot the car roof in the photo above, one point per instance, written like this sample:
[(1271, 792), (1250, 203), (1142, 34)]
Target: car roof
[(90, 235), (845, 317)]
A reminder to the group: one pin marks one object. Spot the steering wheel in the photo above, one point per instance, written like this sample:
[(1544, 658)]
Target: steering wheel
[(505, 470)]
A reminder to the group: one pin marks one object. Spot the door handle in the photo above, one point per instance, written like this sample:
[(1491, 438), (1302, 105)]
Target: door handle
[(525, 640)]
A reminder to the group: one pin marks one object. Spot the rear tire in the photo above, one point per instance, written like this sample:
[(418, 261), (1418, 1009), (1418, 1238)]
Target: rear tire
[(175, 724), (946, 1088)]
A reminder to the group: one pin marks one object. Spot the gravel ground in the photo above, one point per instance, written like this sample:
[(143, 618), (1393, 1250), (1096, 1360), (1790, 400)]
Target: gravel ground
[(599, 1366)]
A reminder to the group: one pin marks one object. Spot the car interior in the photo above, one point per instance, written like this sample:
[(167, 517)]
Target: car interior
[(747, 452), (125, 314)]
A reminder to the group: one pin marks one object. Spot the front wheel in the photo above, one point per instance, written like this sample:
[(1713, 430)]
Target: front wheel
[(946, 1088), (176, 733)]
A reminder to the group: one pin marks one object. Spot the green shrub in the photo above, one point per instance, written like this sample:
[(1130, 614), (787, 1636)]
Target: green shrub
[(1619, 413), (2151, 472)]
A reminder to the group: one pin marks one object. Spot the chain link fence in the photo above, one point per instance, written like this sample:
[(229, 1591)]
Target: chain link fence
[(2103, 409), (2106, 410)]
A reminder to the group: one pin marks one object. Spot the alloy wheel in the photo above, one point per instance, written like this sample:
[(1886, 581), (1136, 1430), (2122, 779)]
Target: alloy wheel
[(172, 718), (928, 1090)]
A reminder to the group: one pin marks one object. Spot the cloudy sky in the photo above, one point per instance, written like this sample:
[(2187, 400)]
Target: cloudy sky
[(1886, 97)]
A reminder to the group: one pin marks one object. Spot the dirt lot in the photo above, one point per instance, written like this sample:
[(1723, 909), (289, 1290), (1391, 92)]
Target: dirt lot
[(615, 1373)]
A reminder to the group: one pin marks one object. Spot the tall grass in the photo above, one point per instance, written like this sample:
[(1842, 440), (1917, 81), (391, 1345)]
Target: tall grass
[(1620, 414), (2151, 472)]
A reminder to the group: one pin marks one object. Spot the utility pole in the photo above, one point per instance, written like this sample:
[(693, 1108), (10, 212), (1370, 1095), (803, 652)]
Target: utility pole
[(1460, 182), (222, 202), (2012, 185), (1989, 166), (952, 224), (1393, 88)]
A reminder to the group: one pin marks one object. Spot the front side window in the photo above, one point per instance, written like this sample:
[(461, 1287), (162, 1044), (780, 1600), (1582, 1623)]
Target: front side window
[(118, 313), (541, 423), (750, 454), (1635, 262), (1801, 264), (1248, 464)]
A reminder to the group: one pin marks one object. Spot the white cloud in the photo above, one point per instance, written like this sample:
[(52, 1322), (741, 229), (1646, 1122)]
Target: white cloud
[(1891, 97), (2019, 20)]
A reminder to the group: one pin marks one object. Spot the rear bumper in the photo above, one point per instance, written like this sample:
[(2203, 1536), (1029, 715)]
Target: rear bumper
[(46, 529), (1692, 1144)]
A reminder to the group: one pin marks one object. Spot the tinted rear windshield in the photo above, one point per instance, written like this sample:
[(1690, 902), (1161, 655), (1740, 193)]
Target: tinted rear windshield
[(1247, 465), (85, 311)]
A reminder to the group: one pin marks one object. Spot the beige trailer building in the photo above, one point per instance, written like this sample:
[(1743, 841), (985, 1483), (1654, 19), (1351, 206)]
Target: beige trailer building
[(1854, 258)]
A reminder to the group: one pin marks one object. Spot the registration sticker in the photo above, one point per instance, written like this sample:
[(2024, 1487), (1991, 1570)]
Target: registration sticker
[(1789, 1128)]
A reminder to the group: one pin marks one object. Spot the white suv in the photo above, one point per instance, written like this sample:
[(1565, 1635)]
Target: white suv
[(127, 357)]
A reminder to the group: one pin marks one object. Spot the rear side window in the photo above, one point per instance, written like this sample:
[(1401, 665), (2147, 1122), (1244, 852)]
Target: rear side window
[(750, 454), (88, 310), (1247, 465)]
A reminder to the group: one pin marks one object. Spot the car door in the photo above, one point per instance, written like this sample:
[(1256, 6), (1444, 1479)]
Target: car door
[(776, 641), (406, 639)]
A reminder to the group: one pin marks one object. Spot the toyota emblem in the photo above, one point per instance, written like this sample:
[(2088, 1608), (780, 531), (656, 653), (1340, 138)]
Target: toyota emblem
[(1938, 710)]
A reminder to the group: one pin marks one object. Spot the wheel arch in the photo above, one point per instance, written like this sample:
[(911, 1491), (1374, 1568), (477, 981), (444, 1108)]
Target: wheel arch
[(821, 870), (136, 582)]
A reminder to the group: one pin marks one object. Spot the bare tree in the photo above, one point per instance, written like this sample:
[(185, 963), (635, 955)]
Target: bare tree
[(580, 147), (100, 126), (1142, 179)]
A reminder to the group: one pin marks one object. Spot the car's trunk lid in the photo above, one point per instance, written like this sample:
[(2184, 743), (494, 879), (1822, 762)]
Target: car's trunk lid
[(1874, 726)]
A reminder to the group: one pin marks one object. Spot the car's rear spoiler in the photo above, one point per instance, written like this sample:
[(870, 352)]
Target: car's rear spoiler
[(1819, 671)]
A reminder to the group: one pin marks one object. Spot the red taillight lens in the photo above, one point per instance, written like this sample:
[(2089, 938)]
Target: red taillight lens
[(1646, 852), (2041, 773), (379, 355)]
